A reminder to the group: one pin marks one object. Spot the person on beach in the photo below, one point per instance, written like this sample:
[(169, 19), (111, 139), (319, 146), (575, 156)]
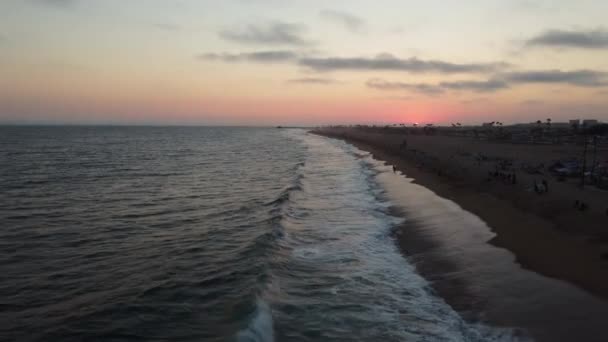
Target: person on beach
[(394, 169)]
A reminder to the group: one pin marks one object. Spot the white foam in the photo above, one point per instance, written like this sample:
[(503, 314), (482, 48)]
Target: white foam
[(260, 328), (374, 292)]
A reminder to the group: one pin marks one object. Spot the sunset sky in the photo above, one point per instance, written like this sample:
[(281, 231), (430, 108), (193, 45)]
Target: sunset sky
[(271, 62)]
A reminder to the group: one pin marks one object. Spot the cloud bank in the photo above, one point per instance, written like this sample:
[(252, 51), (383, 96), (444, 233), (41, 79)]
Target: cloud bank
[(270, 56), (382, 62), (275, 33), (594, 39), (585, 78), (312, 80), (386, 62), (423, 88), (581, 78), (499, 75)]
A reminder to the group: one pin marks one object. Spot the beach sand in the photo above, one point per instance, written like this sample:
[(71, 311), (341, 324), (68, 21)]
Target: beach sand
[(544, 233)]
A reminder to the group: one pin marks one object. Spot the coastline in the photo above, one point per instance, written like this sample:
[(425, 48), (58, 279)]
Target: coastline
[(464, 258), (482, 282), (536, 241)]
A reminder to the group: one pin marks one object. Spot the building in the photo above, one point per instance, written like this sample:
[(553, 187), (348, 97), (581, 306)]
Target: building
[(575, 123), (589, 122)]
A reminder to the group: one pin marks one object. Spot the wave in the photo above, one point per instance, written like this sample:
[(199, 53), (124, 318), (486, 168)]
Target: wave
[(340, 274), (294, 185), (260, 328)]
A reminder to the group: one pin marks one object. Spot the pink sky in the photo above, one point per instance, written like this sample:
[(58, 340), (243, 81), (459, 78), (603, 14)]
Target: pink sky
[(271, 63)]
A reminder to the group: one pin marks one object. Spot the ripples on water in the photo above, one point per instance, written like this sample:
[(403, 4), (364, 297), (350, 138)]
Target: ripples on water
[(203, 234)]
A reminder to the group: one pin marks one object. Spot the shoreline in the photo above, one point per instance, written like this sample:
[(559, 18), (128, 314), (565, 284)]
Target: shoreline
[(449, 247), (456, 251), (537, 243)]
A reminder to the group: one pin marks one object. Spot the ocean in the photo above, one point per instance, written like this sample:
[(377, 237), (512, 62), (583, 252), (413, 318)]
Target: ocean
[(205, 234)]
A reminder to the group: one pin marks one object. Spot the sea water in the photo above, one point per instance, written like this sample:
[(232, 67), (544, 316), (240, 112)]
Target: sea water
[(205, 234)]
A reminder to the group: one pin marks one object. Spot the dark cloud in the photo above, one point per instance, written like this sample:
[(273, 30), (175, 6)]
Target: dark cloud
[(498, 80), (312, 80), (477, 86), (423, 88), (585, 78), (390, 63), (435, 89), (349, 21), (271, 56), (55, 3), (595, 39), (382, 62), (276, 33)]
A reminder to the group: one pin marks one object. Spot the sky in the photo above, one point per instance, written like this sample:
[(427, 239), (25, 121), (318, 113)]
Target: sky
[(281, 62)]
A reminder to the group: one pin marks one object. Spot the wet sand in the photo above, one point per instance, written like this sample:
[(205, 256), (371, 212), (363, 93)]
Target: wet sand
[(462, 256), (449, 247)]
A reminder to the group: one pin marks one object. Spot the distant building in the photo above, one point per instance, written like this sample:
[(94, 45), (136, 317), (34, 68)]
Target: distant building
[(563, 125), (589, 122), (575, 123)]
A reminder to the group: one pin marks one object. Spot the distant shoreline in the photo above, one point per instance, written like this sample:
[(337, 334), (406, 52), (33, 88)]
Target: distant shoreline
[(543, 231)]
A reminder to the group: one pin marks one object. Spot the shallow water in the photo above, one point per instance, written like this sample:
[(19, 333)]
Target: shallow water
[(205, 234)]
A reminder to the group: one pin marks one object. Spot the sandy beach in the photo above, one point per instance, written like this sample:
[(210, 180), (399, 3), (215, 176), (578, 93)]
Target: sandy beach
[(497, 262), (544, 231)]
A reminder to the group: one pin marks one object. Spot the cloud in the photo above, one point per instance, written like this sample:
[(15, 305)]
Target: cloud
[(275, 33), (382, 62), (55, 3), (497, 80), (388, 62), (477, 86), (349, 21), (436, 89), (585, 78), (312, 80), (423, 88), (270, 56), (591, 39)]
